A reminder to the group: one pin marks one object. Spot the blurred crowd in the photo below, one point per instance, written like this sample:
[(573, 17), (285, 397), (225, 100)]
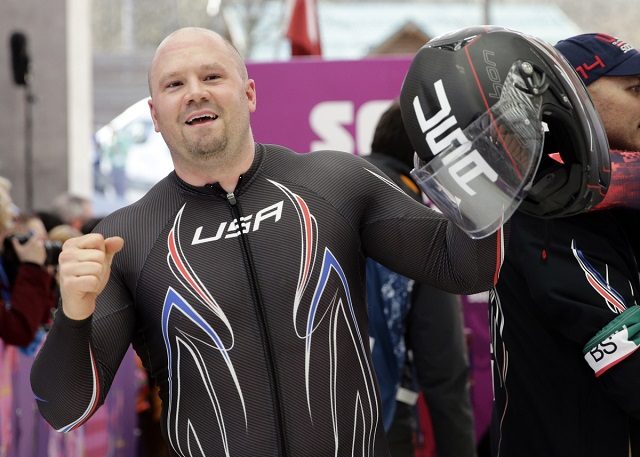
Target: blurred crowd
[(29, 247)]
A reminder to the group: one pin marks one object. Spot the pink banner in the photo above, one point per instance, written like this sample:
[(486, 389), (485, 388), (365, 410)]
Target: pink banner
[(310, 104)]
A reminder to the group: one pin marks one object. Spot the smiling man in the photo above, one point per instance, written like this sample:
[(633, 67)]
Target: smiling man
[(239, 279), (210, 137)]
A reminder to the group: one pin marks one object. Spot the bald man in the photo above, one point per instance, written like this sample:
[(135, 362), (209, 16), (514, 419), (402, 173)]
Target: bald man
[(238, 279)]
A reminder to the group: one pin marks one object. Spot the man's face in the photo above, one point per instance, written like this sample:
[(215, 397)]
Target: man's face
[(201, 100), (617, 99)]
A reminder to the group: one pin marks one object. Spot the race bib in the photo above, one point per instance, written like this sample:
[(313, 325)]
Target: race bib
[(615, 342)]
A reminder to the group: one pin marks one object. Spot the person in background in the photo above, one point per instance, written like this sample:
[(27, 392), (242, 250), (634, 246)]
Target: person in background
[(63, 232), (565, 315), (73, 210), (90, 224), (407, 314), (49, 219), (26, 287)]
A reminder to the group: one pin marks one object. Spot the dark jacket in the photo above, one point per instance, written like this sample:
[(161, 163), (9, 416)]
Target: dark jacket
[(432, 322), (26, 305), (563, 280)]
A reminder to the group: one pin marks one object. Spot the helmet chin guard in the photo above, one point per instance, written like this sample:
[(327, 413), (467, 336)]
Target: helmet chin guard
[(484, 108)]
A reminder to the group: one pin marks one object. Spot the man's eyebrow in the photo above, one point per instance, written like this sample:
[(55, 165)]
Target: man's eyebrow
[(166, 76), (212, 66), (205, 67), (626, 80)]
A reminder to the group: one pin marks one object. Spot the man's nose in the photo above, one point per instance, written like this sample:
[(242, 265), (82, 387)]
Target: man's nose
[(197, 92)]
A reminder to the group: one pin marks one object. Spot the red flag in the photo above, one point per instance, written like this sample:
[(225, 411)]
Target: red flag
[(302, 29)]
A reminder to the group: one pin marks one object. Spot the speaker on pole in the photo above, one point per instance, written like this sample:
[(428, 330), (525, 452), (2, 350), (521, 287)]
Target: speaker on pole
[(19, 58), (21, 77)]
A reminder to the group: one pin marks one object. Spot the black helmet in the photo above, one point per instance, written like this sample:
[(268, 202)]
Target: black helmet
[(485, 86)]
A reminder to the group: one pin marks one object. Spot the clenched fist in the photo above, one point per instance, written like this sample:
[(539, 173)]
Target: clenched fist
[(85, 265)]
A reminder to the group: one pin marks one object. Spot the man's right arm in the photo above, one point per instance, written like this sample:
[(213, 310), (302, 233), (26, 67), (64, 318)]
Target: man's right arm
[(75, 367)]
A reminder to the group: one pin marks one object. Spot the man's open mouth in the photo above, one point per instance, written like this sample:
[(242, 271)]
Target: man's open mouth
[(201, 119)]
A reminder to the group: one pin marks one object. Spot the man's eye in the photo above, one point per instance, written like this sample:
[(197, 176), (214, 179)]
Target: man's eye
[(211, 77), (173, 84), (635, 89)]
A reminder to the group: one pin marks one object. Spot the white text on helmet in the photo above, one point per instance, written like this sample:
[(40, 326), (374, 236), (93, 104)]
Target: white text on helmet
[(436, 126)]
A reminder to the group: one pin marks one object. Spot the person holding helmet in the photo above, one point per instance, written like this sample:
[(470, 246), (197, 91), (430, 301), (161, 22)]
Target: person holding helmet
[(564, 313), (239, 278)]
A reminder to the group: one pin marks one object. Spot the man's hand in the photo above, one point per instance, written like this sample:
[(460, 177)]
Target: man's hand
[(85, 265)]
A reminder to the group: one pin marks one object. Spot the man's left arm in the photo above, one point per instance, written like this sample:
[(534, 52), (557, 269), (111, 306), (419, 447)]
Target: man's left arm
[(408, 237)]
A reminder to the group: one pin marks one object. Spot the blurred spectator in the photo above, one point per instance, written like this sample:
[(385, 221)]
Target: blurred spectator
[(116, 148), (149, 410), (73, 210), (432, 322), (63, 232), (26, 287), (49, 219), (57, 236), (89, 225)]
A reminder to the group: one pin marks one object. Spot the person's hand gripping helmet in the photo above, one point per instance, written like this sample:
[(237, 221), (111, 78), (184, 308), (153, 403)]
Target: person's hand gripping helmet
[(499, 121)]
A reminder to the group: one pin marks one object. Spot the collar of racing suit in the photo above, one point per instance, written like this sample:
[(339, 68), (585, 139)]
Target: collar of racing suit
[(215, 188)]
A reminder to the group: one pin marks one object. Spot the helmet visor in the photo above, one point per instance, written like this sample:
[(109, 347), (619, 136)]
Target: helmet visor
[(481, 177)]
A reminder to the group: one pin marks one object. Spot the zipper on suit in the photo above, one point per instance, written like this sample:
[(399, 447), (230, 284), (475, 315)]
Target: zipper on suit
[(264, 330)]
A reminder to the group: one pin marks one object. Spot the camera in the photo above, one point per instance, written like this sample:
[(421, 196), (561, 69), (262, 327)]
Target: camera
[(22, 238), (52, 249)]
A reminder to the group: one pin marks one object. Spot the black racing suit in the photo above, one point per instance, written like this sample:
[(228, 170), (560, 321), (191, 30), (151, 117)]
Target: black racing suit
[(564, 280), (248, 308)]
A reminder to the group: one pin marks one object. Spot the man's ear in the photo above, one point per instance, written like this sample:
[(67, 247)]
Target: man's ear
[(251, 95), (152, 108)]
